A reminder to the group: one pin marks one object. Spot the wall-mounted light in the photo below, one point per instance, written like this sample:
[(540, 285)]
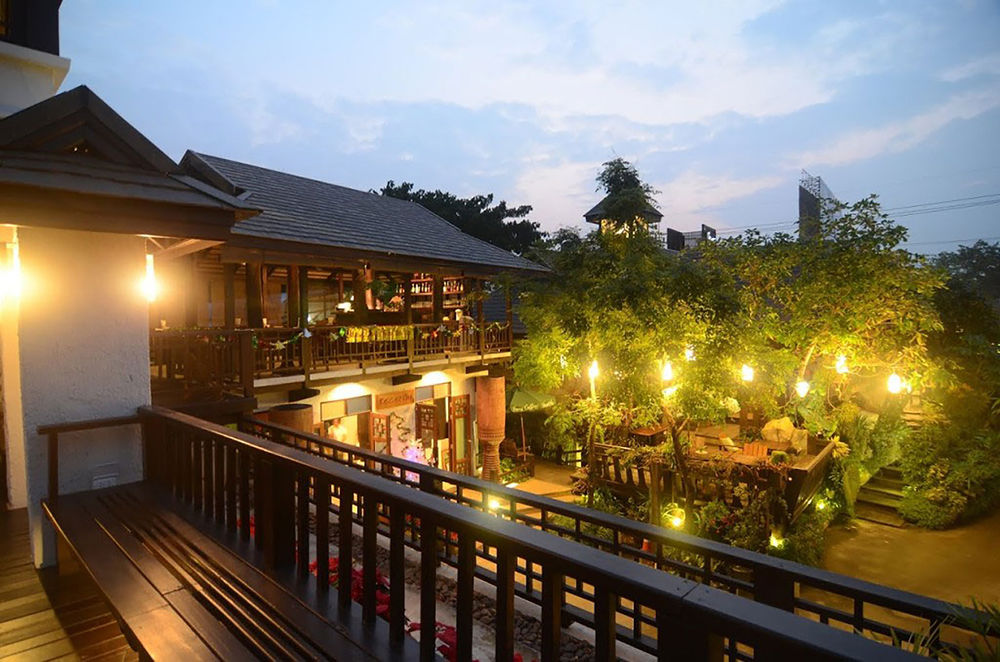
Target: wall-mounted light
[(11, 280), (148, 285)]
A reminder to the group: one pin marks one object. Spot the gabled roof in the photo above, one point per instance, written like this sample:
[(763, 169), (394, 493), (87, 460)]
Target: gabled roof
[(307, 211), (651, 214), (72, 161)]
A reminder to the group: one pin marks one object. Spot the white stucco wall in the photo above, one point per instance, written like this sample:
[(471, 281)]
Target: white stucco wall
[(84, 353), (28, 76)]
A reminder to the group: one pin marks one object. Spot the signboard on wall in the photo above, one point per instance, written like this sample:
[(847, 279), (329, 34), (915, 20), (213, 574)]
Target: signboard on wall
[(394, 399)]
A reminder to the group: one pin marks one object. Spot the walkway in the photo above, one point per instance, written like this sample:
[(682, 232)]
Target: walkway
[(42, 619), (952, 565)]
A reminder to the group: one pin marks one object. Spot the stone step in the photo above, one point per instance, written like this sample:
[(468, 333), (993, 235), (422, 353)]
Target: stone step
[(878, 514), (878, 498), (890, 472), (883, 487)]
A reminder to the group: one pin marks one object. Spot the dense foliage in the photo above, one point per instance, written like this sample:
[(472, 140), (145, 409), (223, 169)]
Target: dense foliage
[(503, 226)]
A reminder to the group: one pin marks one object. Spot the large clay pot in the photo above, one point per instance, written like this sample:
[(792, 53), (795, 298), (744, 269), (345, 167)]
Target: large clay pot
[(298, 416)]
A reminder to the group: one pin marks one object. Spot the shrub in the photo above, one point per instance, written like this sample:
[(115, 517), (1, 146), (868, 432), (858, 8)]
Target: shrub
[(952, 474), (804, 541)]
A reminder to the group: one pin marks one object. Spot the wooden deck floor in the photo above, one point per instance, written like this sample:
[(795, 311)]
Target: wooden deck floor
[(48, 616)]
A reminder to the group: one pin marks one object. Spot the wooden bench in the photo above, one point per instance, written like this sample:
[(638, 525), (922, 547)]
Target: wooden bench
[(183, 590)]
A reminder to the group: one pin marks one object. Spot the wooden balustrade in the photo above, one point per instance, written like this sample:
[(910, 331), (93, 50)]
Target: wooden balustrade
[(222, 359), (876, 611), (261, 488)]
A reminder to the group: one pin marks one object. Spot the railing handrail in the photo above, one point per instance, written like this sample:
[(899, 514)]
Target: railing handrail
[(912, 603), (704, 605)]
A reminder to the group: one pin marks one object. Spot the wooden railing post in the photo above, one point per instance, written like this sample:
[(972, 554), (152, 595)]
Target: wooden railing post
[(677, 639), (53, 466), (275, 512), (774, 587), (552, 603), (307, 357), (246, 362), (654, 493)]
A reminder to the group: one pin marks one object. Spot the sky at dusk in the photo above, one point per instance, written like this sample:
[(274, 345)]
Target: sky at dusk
[(720, 105)]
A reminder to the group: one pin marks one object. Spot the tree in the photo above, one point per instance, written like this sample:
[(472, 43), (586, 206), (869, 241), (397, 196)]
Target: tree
[(848, 291), (628, 197), (477, 216)]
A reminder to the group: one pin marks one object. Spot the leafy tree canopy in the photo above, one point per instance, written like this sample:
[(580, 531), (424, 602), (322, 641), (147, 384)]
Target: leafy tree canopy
[(477, 215), (628, 197)]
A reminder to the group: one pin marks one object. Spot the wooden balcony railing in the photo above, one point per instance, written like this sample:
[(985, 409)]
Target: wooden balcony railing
[(223, 360), (834, 600), (243, 482)]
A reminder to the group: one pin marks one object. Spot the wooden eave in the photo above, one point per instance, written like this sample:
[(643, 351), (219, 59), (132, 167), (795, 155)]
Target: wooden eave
[(244, 248), (42, 207)]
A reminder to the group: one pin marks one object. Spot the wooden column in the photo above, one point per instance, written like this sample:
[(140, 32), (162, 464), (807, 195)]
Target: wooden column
[(437, 305), (229, 294), (509, 309), (360, 303), (255, 298), (191, 293), (303, 280), (408, 299), (491, 413), (369, 295), (292, 297), (480, 318)]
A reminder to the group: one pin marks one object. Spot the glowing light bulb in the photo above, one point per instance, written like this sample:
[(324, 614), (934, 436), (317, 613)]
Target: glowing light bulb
[(802, 387), (841, 366), (894, 383), (494, 504), (593, 371), (746, 373), (776, 542), (668, 371), (689, 353), (676, 522), (148, 285), (821, 505)]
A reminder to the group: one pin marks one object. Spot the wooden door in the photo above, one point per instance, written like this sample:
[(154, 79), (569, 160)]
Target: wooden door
[(427, 426), (460, 439)]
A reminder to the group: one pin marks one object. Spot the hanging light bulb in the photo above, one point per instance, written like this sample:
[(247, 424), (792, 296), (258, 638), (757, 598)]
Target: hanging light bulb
[(802, 387), (689, 353), (894, 383), (149, 286), (668, 371), (746, 373), (593, 371), (841, 366)]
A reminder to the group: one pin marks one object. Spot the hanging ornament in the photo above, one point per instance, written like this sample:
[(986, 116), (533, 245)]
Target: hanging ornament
[(280, 345)]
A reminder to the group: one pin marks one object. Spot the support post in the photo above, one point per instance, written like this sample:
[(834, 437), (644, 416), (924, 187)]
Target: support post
[(190, 293), (292, 297), (303, 289), (408, 300), (437, 305), (360, 302), (229, 294), (654, 493), (480, 318), (255, 297)]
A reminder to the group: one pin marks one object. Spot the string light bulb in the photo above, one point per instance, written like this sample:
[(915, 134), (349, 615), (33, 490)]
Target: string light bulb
[(802, 388), (746, 373), (841, 366), (689, 353), (668, 371), (894, 383), (593, 371)]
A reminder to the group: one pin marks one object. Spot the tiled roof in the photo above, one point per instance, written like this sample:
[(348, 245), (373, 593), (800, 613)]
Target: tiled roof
[(596, 213), (308, 211)]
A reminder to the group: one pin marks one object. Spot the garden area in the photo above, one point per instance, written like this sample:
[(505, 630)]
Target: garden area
[(748, 389)]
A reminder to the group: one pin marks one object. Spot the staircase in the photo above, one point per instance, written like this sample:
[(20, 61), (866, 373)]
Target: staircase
[(879, 498)]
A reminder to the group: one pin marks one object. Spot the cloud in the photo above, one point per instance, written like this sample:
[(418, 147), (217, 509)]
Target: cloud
[(687, 200), (988, 65), (560, 191), (899, 136)]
